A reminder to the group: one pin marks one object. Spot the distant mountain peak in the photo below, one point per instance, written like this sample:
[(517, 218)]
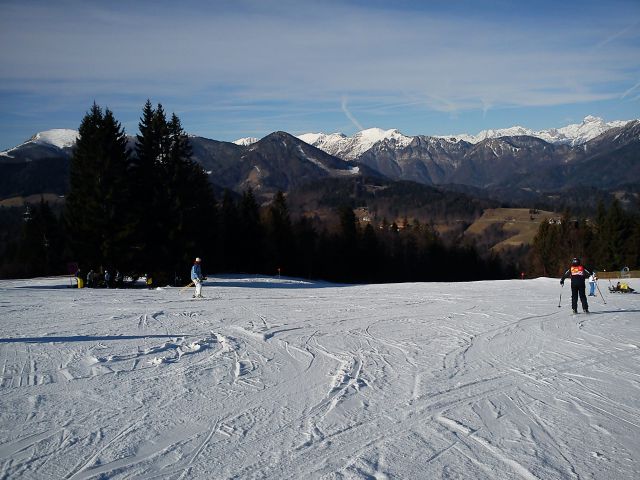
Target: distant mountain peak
[(58, 137), (349, 148)]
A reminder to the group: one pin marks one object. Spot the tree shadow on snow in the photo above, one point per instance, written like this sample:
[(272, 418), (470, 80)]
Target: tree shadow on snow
[(272, 282), (601, 312), (49, 287), (83, 338)]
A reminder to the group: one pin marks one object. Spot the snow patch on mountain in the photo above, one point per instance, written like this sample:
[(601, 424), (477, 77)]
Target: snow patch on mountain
[(246, 141), (313, 160)]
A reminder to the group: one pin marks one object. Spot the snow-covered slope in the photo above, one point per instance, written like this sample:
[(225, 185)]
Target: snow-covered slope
[(278, 378)]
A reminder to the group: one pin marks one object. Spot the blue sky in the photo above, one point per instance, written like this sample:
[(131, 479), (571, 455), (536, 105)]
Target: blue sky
[(247, 68)]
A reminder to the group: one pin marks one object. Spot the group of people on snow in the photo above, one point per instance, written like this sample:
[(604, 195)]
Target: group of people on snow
[(578, 274), (105, 279), (100, 279)]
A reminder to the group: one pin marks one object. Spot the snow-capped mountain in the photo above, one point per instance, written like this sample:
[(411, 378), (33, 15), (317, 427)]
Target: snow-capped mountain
[(58, 137), (576, 155), (491, 158), (574, 134), (342, 146), (49, 143), (350, 148)]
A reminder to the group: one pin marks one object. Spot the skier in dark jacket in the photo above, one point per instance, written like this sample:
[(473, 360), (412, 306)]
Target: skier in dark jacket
[(578, 276)]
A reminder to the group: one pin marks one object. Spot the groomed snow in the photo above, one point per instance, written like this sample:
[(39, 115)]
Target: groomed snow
[(279, 378)]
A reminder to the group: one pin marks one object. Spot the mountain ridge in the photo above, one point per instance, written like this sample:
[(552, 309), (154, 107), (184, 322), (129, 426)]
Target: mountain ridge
[(509, 167), (573, 134)]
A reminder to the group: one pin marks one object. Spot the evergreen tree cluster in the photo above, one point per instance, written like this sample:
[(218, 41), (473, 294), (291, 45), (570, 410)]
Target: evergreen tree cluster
[(41, 247), (267, 240), (145, 211), (609, 242)]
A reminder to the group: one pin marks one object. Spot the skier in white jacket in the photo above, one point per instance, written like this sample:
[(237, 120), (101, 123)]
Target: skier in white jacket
[(592, 284), (196, 278)]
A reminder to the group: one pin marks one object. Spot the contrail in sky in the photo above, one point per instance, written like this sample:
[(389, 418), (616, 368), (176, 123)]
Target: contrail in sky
[(618, 34), (630, 90), (349, 115)]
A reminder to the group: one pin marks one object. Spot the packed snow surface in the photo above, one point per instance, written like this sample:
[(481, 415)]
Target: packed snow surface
[(278, 378)]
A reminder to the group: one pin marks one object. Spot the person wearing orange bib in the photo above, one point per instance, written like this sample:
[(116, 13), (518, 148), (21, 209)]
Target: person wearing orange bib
[(578, 276)]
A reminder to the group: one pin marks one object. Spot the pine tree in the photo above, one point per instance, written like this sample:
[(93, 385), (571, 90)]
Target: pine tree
[(251, 234), (41, 243), (96, 206), (346, 256), (229, 235), (370, 254), (308, 256), (632, 249), (598, 244), (191, 200), (176, 211), (149, 205), (617, 231), (280, 236), (546, 246)]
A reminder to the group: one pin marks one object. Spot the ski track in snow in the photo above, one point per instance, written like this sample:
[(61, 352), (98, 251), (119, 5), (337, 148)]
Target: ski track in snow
[(278, 378)]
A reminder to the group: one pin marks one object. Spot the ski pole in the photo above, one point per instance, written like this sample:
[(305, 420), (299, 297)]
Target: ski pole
[(605, 302), (184, 288), (560, 301)]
